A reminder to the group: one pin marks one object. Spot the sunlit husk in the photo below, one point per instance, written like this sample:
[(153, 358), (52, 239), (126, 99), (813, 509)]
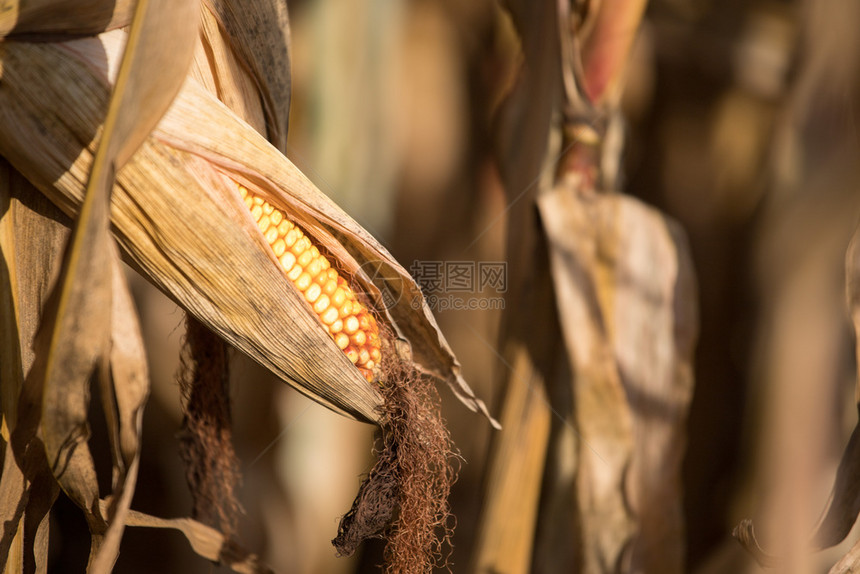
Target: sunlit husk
[(180, 221)]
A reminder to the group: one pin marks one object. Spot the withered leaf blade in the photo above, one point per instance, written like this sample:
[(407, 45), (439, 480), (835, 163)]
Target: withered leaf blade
[(629, 331), (77, 335), (205, 540), (603, 417), (154, 63), (32, 235), (258, 34), (124, 395), (72, 339), (63, 17)]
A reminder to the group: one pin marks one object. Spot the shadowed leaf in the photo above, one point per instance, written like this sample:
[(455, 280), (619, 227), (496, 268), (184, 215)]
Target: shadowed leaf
[(205, 540), (32, 234), (63, 17), (74, 336)]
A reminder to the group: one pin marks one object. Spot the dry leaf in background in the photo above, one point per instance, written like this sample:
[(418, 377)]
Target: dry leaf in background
[(617, 393)]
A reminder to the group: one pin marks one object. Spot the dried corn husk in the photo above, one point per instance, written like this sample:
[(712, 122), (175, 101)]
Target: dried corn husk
[(180, 222)]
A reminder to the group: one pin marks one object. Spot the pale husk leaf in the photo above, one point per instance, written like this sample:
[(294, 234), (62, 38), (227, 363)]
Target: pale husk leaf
[(254, 58)]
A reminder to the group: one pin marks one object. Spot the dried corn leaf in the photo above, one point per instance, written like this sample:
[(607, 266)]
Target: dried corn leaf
[(626, 300), (219, 70), (124, 397), (63, 17), (32, 235), (75, 333), (206, 541), (248, 59), (602, 415)]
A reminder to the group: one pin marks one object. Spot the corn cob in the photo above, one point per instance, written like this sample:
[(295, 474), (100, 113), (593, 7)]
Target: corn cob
[(344, 317)]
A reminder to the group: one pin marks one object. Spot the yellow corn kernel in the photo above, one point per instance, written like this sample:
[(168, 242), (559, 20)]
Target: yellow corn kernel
[(302, 282), (329, 286), (305, 258), (341, 340), (358, 338), (279, 247), (352, 327), (314, 268), (263, 223), (294, 273), (272, 236), (330, 318), (321, 304), (302, 245), (338, 298), (313, 292), (363, 356), (284, 231), (287, 261), (351, 354)]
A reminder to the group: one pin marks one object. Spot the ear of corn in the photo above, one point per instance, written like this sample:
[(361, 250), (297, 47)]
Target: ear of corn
[(48, 117), (344, 317)]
